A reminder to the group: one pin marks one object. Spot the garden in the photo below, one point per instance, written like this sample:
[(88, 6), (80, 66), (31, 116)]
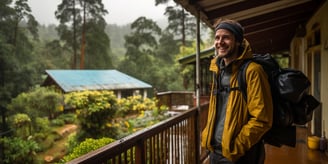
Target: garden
[(50, 127)]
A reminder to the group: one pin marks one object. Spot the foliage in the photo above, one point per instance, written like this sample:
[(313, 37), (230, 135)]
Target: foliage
[(19, 151), (150, 56), (100, 114), (142, 41), (72, 142), (52, 54), (135, 113), (20, 120), (282, 60), (68, 118), (165, 75), (181, 23), (116, 34), (42, 124), (93, 109), (97, 52), (57, 122), (82, 20), (143, 60), (87, 146), (186, 71), (147, 118), (134, 105), (38, 102), (45, 140), (17, 63), (21, 124)]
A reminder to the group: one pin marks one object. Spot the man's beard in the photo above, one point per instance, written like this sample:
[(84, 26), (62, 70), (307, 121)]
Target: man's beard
[(230, 53)]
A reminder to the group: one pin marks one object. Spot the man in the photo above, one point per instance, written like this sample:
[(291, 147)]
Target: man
[(235, 126)]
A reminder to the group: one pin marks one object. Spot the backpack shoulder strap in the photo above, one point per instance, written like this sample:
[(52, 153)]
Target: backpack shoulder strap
[(241, 77)]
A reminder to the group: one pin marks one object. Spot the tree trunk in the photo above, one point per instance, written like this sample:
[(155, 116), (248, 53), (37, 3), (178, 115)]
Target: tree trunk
[(74, 37), (83, 38), (183, 29)]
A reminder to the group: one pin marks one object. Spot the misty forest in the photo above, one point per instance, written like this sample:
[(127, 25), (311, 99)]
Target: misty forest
[(35, 126)]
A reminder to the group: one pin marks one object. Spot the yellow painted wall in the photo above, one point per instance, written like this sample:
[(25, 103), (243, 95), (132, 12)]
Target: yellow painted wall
[(321, 18)]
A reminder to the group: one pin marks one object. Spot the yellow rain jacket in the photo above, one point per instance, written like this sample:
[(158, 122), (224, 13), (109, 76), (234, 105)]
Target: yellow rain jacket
[(246, 121)]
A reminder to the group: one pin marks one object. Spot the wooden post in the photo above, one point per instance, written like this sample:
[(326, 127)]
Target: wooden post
[(140, 152)]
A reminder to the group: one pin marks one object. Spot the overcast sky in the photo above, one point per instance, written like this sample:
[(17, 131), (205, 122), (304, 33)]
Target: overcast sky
[(120, 12)]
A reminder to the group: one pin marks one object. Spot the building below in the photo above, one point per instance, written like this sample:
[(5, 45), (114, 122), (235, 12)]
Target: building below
[(122, 84)]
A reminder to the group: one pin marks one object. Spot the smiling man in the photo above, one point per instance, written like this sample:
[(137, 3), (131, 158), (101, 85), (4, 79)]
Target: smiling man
[(235, 126)]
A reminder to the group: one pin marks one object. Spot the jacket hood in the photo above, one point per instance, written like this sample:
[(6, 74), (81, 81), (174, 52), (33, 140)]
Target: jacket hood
[(247, 52)]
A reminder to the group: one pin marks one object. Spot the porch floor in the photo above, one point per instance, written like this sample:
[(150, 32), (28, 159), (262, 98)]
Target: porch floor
[(300, 154)]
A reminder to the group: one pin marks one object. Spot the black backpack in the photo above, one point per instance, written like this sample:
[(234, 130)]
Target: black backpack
[(292, 105)]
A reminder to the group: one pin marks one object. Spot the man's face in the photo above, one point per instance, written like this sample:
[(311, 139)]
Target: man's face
[(225, 44)]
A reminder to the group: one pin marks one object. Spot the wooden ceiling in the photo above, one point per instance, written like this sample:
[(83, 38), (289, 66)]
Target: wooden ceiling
[(269, 24)]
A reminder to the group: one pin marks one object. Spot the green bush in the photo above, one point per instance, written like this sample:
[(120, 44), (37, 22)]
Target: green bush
[(134, 105), (71, 142), (57, 122), (93, 109), (46, 140), (87, 146), (68, 118), (38, 102), (21, 125), (17, 150), (42, 124)]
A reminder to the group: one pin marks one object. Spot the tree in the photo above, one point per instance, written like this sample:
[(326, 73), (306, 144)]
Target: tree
[(167, 42), (77, 19), (16, 21), (183, 26), (181, 23), (18, 67), (141, 45), (98, 49), (38, 102), (69, 16), (54, 55)]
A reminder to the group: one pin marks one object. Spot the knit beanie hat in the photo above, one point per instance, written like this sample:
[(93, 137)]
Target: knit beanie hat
[(236, 29)]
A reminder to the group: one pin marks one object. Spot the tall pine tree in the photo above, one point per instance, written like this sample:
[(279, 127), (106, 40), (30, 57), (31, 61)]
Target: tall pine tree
[(80, 22)]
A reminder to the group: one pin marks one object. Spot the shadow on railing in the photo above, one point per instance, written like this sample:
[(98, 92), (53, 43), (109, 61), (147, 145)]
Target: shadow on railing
[(175, 140)]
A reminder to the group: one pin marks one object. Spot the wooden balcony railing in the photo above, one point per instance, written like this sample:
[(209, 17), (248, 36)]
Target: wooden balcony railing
[(174, 99), (172, 141)]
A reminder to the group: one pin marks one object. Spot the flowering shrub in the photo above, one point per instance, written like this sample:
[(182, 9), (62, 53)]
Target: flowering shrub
[(94, 109), (135, 105), (86, 146), (101, 114), (135, 113)]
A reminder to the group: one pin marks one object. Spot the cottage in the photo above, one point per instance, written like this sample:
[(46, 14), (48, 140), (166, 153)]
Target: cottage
[(122, 84)]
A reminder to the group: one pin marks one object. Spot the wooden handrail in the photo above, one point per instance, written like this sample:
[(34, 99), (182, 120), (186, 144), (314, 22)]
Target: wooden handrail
[(170, 141)]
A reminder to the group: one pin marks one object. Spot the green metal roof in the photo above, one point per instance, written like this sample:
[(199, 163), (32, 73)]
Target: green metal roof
[(192, 58), (77, 80)]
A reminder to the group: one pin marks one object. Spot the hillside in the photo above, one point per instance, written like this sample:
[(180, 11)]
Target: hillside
[(115, 32)]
